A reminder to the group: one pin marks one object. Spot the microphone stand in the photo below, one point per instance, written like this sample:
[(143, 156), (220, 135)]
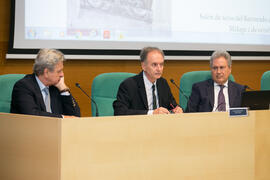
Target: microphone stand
[(78, 85)]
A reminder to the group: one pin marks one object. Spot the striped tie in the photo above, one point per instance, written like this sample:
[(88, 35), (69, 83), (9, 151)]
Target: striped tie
[(221, 99)]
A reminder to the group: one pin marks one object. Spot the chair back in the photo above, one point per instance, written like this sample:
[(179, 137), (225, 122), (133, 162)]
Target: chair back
[(104, 91), (188, 79), (7, 82), (265, 81)]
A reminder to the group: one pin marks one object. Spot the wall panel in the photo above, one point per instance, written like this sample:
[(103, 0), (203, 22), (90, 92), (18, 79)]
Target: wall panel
[(83, 71)]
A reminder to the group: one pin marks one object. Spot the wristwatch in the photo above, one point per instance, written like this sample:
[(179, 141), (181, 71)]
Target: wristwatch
[(65, 90)]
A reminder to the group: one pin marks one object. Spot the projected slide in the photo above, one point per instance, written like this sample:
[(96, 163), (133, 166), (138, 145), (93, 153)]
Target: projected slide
[(233, 22), (131, 24), (135, 20)]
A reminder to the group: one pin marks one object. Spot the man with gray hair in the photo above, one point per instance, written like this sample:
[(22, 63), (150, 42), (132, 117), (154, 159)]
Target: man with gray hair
[(44, 93), (218, 93)]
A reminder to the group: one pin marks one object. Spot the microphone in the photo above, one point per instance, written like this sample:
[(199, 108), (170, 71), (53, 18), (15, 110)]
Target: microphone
[(247, 87), (78, 85), (172, 81)]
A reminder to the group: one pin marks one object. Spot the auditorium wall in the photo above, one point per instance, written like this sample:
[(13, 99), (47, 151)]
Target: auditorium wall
[(246, 72)]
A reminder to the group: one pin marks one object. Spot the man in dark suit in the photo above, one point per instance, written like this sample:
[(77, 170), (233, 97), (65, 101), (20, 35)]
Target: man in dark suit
[(44, 93), (147, 92), (218, 93)]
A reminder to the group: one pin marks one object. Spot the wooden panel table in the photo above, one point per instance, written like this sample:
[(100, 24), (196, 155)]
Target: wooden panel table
[(190, 146)]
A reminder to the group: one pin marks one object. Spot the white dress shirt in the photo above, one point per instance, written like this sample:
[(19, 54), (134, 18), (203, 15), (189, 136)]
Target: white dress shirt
[(149, 95), (41, 86)]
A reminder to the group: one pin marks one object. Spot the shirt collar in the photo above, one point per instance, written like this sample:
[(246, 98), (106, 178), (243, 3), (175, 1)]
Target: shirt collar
[(225, 84), (147, 82), (40, 84)]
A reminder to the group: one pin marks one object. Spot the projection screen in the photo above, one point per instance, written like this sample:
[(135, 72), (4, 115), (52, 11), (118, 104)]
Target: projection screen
[(109, 28)]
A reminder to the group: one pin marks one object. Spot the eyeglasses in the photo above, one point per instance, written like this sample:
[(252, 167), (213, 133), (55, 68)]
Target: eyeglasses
[(221, 68)]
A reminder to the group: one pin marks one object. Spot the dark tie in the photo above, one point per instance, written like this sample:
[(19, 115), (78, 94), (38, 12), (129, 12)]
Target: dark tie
[(221, 99), (154, 97)]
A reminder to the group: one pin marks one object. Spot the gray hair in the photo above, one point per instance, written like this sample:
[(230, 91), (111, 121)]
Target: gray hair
[(221, 53), (146, 50), (47, 58)]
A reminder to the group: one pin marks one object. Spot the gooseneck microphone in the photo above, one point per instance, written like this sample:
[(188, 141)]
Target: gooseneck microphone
[(78, 85), (247, 87), (172, 81)]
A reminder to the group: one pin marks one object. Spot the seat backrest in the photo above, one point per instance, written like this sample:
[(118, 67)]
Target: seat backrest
[(104, 91), (7, 82), (188, 79), (265, 81)]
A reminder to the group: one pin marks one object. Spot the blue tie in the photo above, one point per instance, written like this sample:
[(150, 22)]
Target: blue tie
[(47, 99)]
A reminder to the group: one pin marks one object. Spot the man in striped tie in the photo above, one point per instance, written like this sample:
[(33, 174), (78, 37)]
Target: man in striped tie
[(218, 93)]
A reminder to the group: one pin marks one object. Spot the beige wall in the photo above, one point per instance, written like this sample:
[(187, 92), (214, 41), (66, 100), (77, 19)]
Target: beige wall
[(84, 71)]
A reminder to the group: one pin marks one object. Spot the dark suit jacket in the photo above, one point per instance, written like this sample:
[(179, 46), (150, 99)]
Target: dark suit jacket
[(27, 99), (131, 96), (202, 96)]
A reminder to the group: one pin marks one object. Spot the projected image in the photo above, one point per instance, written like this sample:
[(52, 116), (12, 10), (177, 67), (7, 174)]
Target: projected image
[(133, 24), (117, 19), (243, 23), (135, 9)]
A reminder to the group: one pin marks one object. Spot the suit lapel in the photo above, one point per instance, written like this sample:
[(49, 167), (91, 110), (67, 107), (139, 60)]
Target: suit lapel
[(159, 92), (53, 100), (38, 94), (231, 94), (142, 91), (210, 90)]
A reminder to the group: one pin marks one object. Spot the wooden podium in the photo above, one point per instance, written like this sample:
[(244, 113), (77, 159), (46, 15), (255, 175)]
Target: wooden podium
[(203, 146)]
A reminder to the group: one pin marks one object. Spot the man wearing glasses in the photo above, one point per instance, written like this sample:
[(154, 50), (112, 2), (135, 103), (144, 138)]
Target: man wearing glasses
[(218, 93)]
